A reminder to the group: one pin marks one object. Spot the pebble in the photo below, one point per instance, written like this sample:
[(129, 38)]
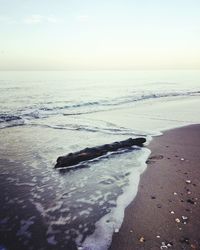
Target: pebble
[(185, 219), (142, 239), (188, 181), (177, 220), (163, 246), (175, 193), (116, 230), (169, 245), (182, 159), (184, 240), (172, 212)]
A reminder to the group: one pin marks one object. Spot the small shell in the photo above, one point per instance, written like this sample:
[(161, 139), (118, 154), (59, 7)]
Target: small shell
[(169, 245), (163, 246), (142, 239), (177, 220)]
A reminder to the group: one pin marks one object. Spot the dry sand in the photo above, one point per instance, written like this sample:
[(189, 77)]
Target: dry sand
[(168, 190)]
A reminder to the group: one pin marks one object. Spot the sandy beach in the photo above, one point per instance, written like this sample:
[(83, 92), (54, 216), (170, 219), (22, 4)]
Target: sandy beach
[(165, 212)]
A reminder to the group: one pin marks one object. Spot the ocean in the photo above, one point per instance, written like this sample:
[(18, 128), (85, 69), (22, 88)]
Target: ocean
[(44, 115)]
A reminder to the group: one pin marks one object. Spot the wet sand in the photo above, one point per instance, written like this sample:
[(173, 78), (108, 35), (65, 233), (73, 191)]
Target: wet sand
[(166, 211)]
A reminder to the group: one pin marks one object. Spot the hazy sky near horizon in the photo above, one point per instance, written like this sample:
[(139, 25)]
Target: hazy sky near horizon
[(106, 34)]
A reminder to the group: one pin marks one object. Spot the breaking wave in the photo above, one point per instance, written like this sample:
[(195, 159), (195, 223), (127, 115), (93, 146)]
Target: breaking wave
[(40, 111)]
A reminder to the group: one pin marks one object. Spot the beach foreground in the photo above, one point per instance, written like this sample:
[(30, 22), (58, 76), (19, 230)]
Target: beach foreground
[(165, 212)]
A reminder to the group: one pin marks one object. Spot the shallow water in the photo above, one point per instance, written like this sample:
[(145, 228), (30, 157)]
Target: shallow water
[(68, 203), (48, 114)]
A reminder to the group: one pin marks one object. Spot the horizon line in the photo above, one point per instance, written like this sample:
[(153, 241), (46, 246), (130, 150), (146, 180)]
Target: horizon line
[(144, 69)]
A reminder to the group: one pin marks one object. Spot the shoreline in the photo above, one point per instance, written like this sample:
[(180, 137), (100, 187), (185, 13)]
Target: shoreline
[(165, 211)]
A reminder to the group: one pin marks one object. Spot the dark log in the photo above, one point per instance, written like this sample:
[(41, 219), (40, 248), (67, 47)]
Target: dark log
[(94, 152)]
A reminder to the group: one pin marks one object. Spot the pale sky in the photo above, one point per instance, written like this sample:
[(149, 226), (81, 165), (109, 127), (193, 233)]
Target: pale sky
[(99, 34)]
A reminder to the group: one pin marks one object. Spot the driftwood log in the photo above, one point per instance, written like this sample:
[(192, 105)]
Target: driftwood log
[(94, 152)]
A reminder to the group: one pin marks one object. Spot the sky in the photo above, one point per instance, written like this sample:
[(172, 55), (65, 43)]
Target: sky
[(99, 34)]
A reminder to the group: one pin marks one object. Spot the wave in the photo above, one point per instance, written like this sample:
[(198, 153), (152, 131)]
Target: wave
[(125, 100), (78, 105), (100, 129), (10, 121), (40, 111), (8, 118)]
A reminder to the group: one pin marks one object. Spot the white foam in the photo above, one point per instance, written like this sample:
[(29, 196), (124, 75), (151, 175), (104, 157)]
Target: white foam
[(40, 208), (61, 220), (57, 206), (25, 184), (51, 240), (84, 212), (111, 222), (24, 228)]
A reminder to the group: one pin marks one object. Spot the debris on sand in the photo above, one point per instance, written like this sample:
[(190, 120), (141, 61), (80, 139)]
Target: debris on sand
[(166, 245), (142, 239), (184, 240), (184, 219)]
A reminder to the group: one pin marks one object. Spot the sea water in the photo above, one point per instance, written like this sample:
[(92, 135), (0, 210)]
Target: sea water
[(47, 114)]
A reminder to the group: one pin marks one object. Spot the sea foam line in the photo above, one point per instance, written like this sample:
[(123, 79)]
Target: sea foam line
[(20, 117), (110, 223)]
